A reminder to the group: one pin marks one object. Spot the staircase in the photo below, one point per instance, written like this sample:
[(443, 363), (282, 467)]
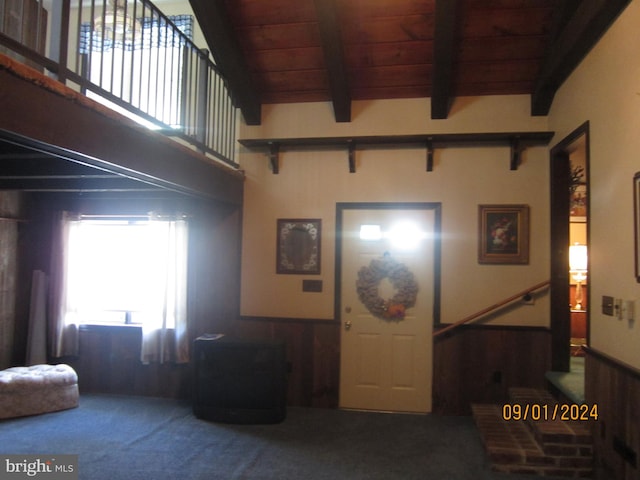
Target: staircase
[(551, 447)]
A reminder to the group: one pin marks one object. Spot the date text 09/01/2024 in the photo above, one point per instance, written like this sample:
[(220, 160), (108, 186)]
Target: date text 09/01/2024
[(541, 412)]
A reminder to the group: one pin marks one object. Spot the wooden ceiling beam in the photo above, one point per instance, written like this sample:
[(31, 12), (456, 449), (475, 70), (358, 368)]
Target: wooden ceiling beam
[(216, 26), (577, 36), (334, 58), (444, 57)]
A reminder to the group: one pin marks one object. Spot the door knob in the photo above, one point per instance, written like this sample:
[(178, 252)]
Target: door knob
[(347, 325)]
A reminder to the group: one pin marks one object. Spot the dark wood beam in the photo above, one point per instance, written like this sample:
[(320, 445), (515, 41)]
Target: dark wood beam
[(334, 59), (581, 32), (444, 56), (215, 23)]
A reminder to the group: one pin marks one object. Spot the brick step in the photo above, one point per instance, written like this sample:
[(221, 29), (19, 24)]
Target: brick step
[(544, 448), (555, 434)]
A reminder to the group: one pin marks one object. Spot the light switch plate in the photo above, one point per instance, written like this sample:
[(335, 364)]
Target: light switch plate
[(607, 305)]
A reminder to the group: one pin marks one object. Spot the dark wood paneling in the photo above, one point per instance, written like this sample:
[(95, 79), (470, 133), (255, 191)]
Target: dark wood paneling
[(496, 49), (215, 240), (406, 53), (507, 22), (478, 364), (258, 12), (12, 294), (313, 354), (615, 388), (473, 364), (109, 362)]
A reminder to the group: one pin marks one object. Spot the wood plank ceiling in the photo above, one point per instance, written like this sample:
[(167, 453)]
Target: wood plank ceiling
[(288, 51)]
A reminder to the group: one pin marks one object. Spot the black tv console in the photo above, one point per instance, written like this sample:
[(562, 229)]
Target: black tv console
[(239, 381)]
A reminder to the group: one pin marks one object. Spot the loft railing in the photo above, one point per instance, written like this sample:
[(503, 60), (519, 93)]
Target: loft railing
[(495, 306), (128, 55)]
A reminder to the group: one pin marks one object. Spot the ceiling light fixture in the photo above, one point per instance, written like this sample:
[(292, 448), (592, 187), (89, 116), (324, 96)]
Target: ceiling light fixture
[(115, 23)]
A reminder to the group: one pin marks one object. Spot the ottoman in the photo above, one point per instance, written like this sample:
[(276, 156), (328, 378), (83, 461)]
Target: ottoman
[(37, 389)]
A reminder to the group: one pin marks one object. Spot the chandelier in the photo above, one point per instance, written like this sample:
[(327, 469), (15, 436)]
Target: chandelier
[(115, 23)]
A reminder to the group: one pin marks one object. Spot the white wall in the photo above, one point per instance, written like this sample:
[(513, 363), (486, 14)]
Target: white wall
[(605, 90), (310, 183)]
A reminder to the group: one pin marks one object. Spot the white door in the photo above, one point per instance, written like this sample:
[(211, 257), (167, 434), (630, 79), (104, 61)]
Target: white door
[(386, 363)]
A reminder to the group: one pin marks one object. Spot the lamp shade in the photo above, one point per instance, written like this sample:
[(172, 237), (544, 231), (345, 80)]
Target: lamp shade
[(578, 258)]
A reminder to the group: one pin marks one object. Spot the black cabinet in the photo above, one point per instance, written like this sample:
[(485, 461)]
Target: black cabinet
[(239, 381)]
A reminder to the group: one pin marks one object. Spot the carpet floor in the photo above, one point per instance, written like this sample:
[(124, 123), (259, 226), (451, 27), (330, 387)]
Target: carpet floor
[(138, 438)]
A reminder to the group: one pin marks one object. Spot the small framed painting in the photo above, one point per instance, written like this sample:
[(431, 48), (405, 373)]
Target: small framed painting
[(578, 204), (298, 246), (503, 236)]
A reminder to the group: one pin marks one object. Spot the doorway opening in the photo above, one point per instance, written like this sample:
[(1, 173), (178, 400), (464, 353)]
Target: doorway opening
[(569, 206)]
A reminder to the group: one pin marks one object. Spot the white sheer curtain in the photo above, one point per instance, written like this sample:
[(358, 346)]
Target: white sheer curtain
[(164, 331), (63, 332)]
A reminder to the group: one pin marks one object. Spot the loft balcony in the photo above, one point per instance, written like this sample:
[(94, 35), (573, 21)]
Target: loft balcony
[(115, 87)]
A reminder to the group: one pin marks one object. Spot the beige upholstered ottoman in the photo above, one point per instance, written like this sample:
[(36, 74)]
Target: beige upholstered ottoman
[(37, 389)]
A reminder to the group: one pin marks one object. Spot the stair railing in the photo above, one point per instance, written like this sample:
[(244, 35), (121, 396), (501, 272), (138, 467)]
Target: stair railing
[(134, 57), (506, 301)]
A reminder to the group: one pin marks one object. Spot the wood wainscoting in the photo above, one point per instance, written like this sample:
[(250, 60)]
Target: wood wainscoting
[(472, 364), (109, 362), (479, 363), (615, 388), (313, 354)]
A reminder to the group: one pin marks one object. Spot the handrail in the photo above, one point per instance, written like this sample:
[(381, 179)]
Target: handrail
[(495, 306)]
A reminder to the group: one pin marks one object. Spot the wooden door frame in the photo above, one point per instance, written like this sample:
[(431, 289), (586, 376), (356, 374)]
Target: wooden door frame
[(559, 206), (342, 206)]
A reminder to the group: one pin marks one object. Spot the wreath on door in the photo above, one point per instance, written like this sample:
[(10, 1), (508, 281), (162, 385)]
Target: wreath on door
[(401, 279)]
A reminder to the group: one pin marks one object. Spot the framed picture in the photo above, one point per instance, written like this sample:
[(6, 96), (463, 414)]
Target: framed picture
[(503, 236), (636, 222), (578, 205), (298, 246)]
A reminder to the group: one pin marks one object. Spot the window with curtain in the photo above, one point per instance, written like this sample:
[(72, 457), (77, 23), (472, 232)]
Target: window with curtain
[(121, 272), (124, 272), (144, 69)]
